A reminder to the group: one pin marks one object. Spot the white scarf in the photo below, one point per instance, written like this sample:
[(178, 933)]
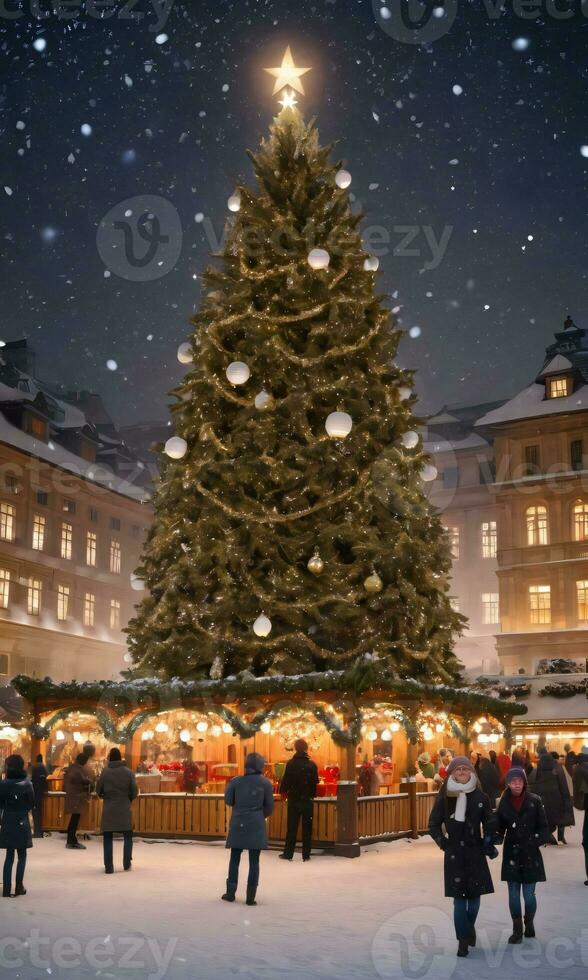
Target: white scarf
[(461, 790)]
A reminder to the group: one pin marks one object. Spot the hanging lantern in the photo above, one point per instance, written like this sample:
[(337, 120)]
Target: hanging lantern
[(262, 626), (338, 425), (146, 736), (386, 735), (372, 735), (264, 400), (216, 730), (202, 726), (373, 583), (428, 473), (439, 728), (60, 736), (77, 736), (409, 439), (318, 258), (185, 735), (238, 373), (227, 729), (395, 726), (343, 179), (185, 354), (161, 727), (176, 447), (266, 728), (371, 263), (234, 202), (315, 564)]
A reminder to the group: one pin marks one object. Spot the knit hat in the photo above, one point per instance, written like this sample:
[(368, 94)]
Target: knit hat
[(460, 760), (517, 772)]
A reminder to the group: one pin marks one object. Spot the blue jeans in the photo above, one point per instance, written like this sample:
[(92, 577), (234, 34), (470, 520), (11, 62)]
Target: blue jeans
[(253, 876), (127, 849), (514, 899), (20, 867), (465, 913)]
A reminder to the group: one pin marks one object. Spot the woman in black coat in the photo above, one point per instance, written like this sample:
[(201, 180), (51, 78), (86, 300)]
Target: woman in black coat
[(16, 801), (549, 782), (462, 824), (522, 825)]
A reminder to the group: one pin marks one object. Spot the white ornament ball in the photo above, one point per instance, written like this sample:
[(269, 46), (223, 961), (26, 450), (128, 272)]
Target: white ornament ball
[(185, 353), (404, 393), (262, 626), (410, 440), (373, 583), (428, 472), (371, 264), (319, 258), (238, 373), (234, 202), (263, 400), (176, 447), (343, 179), (137, 584), (338, 425)]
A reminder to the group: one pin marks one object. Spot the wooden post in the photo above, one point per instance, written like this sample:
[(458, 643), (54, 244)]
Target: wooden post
[(347, 836), (411, 789)]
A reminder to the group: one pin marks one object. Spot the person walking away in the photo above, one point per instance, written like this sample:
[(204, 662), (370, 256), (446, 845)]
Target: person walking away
[(17, 799), (549, 782), (569, 819), (76, 784), (522, 825), (581, 797), (462, 824), (489, 777), (117, 786), (299, 784), (252, 798), (40, 788)]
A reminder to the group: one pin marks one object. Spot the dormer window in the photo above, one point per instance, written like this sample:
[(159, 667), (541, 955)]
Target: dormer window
[(558, 387)]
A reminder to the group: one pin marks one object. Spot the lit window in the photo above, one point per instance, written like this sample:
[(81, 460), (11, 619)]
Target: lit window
[(489, 539), (66, 540), (90, 548), (490, 613), (453, 533), (7, 521), (89, 609), (39, 524), (115, 556), (114, 614), (36, 427), (4, 588), (582, 599), (580, 521), (540, 604), (34, 596), (537, 525), (62, 602), (557, 388)]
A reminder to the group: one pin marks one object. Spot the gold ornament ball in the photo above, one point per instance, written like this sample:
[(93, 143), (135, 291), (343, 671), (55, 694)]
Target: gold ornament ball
[(373, 583), (315, 564)]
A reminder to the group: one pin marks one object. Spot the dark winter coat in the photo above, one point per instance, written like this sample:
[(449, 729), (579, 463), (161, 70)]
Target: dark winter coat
[(17, 799), (581, 783), (523, 833), (39, 780), (76, 784), (300, 778), (549, 782), (117, 786), (252, 798), (467, 874), (489, 776)]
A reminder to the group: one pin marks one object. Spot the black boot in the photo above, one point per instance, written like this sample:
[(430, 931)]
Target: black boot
[(6, 892), (463, 949), (517, 931), (19, 890), (472, 937), (229, 895), (251, 893), (529, 926)]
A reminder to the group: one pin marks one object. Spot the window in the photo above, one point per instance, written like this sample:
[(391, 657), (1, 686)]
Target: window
[(7, 521), (89, 609), (557, 388), (540, 604), (39, 524), (531, 460), (34, 596), (42, 497), (69, 506), (62, 602), (66, 540), (93, 514), (580, 522), (490, 612), (4, 588), (536, 524), (12, 484), (90, 548), (115, 556), (576, 454), (115, 523), (453, 533), (451, 477), (489, 539), (114, 614), (4, 664), (582, 599)]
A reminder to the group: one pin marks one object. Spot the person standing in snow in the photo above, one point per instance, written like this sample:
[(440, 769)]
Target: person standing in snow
[(299, 784), (462, 824), (549, 782), (252, 798), (117, 786), (40, 789), (16, 801), (77, 785), (581, 797)]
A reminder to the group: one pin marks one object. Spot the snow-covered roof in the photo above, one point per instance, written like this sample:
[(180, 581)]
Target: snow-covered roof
[(531, 403), (442, 445), (556, 365), (550, 708)]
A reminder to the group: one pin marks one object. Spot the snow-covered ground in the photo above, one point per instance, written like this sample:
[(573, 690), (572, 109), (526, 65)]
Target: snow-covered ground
[(382, 915)]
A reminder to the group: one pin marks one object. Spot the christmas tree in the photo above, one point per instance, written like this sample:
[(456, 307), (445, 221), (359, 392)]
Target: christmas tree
[(294, 534)]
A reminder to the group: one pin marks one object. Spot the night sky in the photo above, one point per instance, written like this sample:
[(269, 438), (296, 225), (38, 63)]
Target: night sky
[(479, 133)]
